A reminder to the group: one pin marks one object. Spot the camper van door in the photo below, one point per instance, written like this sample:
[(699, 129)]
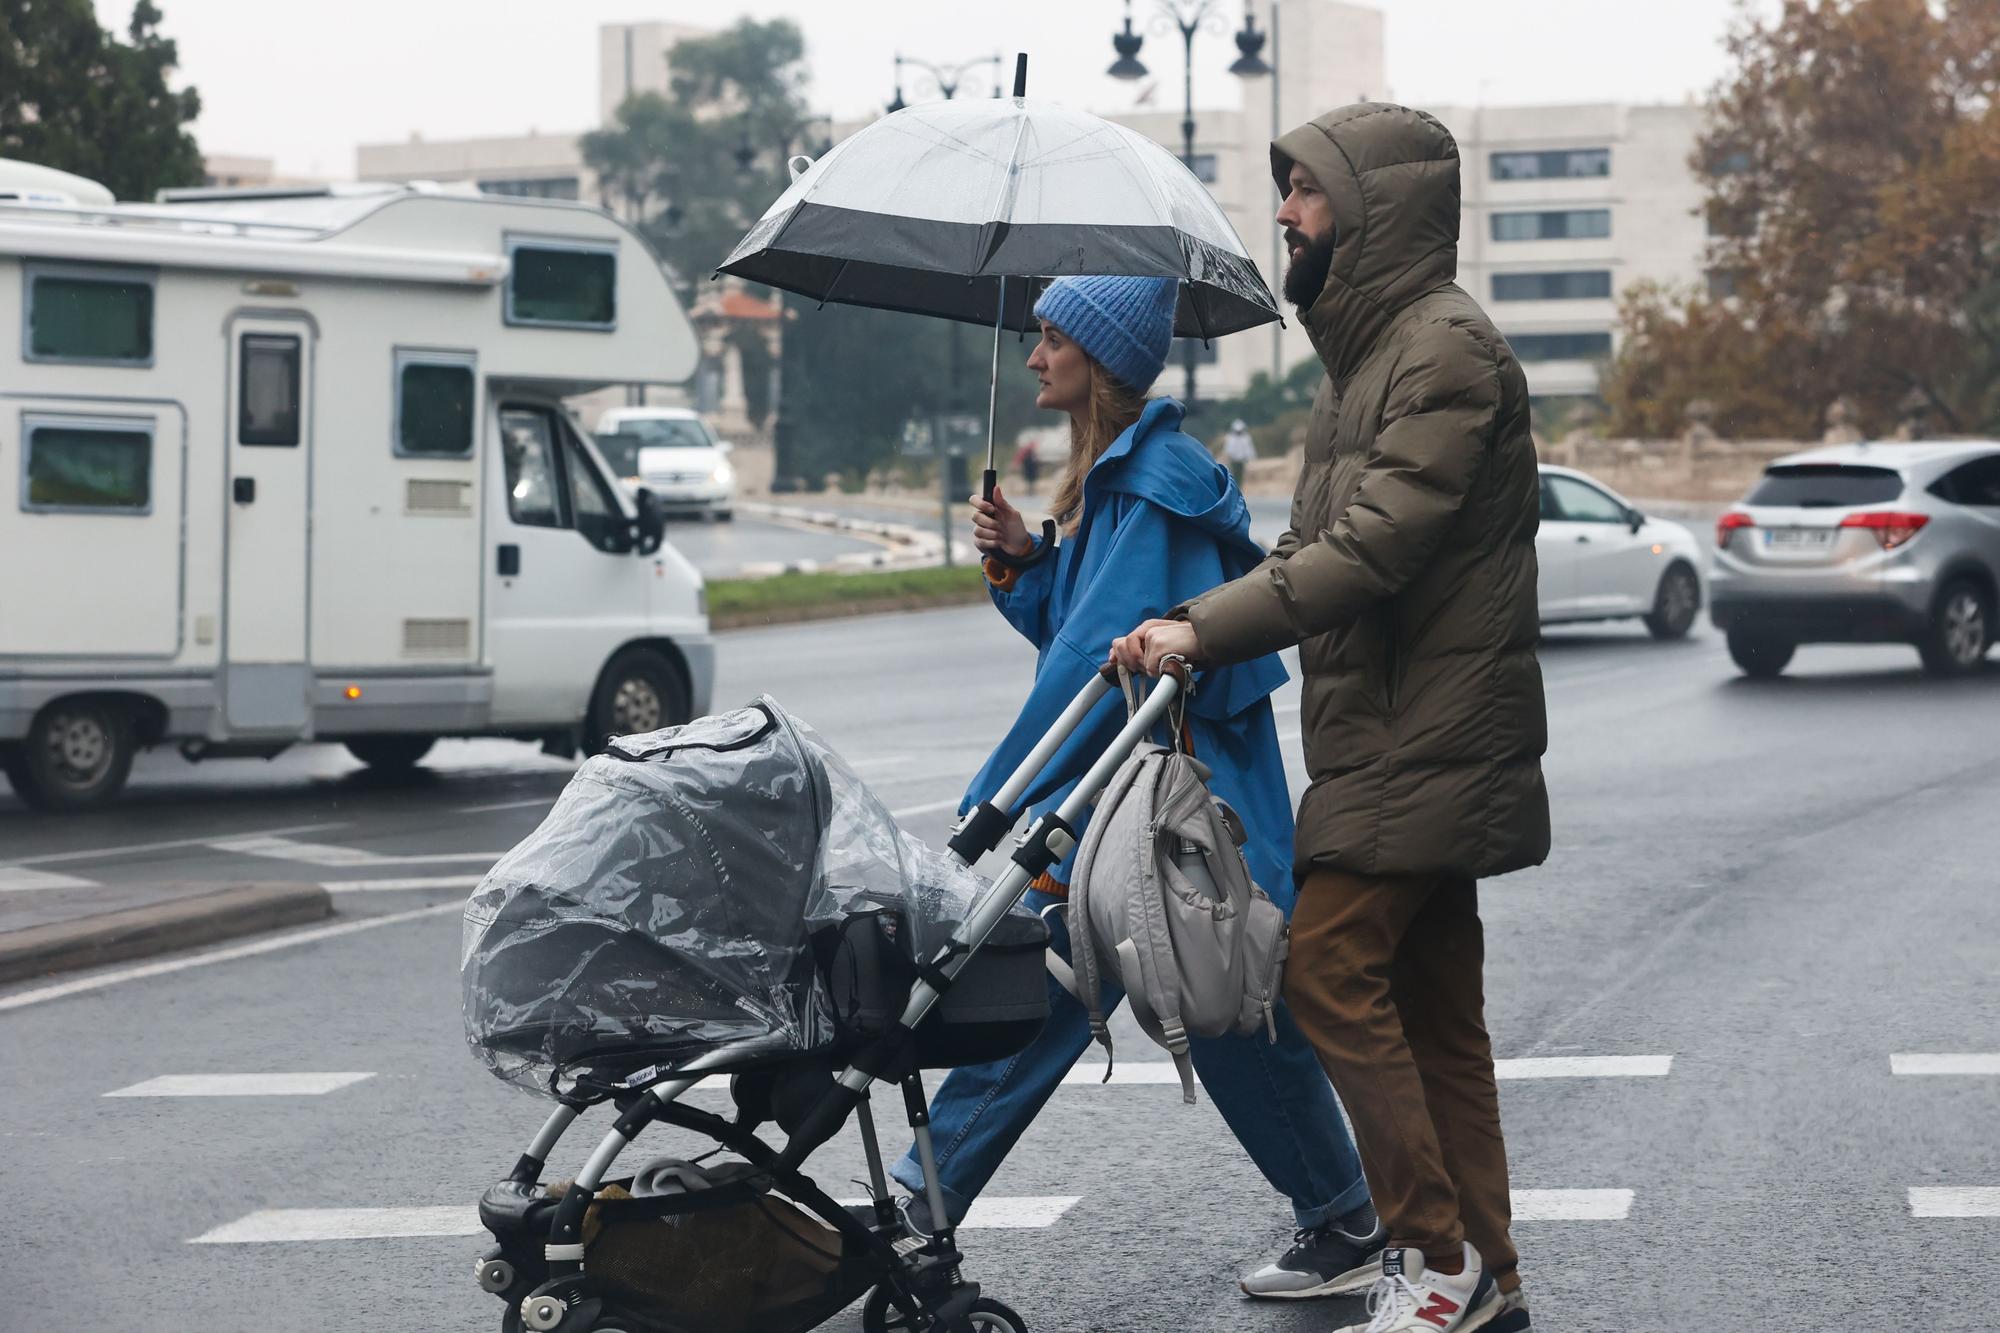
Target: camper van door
[(267, 679)]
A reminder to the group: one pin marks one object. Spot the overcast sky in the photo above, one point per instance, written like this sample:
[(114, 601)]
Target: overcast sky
[(305, 83)]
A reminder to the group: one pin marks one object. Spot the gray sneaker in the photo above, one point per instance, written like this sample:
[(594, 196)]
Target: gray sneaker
[(1323, 1261), (1513, 1316)]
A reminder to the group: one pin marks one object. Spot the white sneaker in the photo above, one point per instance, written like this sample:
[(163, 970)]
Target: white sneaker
[(1408, 1297)]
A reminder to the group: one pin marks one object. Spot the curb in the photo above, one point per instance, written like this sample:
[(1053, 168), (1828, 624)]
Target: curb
[(911, 547), (141, 932)]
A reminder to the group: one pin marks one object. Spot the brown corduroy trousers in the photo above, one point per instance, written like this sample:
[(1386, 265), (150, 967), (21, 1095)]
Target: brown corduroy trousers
[(1385, 979)]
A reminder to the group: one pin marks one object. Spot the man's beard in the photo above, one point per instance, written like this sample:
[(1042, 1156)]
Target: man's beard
[(1306, 277)]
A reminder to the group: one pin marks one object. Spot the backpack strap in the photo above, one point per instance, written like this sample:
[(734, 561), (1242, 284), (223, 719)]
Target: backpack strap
[(1168, 1033)]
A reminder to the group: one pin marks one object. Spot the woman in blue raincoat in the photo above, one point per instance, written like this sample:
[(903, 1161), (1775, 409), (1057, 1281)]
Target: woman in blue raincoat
[(1149, 520)]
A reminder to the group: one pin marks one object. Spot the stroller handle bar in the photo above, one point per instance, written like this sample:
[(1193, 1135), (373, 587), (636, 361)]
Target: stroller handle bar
[(988, 822), (1046, 842)]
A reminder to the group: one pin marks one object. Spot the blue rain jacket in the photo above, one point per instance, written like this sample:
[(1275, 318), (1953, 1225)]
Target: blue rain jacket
[(1162, 522)]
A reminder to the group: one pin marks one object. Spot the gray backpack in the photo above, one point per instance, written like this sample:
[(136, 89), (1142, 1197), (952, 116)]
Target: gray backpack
[(1161, 902)]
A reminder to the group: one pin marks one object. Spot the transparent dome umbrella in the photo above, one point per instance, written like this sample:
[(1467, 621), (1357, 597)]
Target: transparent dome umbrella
[(964, 209)]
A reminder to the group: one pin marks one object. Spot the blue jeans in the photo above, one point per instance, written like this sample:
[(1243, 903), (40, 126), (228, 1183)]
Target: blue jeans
[(1274, 1097)]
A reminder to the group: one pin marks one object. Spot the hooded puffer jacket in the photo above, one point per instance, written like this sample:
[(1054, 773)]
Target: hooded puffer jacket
[(1408, 576)]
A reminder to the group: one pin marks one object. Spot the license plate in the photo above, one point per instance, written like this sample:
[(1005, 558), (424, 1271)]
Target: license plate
[(1798, 539)]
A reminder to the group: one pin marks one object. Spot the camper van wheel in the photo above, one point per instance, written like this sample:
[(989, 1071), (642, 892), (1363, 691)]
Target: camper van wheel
[(640, 691), (77, 754), (390, 752)]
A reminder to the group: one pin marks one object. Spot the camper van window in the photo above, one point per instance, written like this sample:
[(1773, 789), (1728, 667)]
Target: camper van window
[(562, 285), (267, 410), (534, 487), (597, 514), (87, 466), (434, 404), (98, 317)]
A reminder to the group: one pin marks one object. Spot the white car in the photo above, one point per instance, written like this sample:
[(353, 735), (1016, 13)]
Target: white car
[(672, 453), (1601, 559)]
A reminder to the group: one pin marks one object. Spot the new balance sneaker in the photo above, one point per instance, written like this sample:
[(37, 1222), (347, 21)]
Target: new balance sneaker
[(1408, 1298), (1513, 1316), (1337, 1259)]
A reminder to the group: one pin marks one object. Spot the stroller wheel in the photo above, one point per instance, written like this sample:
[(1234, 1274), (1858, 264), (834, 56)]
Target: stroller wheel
[(878, 1315), (991, 1316)]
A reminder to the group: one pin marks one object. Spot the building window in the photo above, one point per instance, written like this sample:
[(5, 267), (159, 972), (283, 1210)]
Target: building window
[(1723, 283), (92, 316), (1582, 285), (1572, 224), (1203, 167), (1553, 164), (87, 465), (562, 284), (1559, 346), (434, 404), (267, 407), (543, 187)]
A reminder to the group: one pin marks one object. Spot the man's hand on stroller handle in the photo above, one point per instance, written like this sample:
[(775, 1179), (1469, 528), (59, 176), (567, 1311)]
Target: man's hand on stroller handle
[(1146, 647)]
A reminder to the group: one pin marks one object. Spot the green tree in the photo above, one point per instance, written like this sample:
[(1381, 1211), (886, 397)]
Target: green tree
[(1853, 170), (698, 165), (74, 97)]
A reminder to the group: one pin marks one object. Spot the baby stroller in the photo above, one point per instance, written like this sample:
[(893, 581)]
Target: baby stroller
[(728, 899)]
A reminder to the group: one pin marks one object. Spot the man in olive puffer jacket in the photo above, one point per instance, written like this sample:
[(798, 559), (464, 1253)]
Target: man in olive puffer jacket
[(1407, 581)]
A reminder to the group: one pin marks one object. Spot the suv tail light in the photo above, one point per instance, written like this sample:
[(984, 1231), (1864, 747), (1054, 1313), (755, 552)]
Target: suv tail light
[(1729, 523), (1890, 529)]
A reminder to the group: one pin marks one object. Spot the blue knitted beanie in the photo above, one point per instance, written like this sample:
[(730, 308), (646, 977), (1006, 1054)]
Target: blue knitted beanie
[(1125, 324)]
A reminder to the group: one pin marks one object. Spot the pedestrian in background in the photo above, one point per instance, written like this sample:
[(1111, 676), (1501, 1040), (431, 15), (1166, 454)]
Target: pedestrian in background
[(1238, 449), (1028, 461), (1407, 581), (1149, 519)]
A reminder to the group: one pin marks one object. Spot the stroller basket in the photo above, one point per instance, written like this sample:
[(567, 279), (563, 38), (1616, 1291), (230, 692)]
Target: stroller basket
[(719, 1258)]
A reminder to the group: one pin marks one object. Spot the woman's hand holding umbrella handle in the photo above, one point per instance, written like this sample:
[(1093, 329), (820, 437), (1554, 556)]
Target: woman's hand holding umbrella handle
[(998, 528)]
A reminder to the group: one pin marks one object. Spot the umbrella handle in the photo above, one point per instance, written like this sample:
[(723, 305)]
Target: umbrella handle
[(987, 482)]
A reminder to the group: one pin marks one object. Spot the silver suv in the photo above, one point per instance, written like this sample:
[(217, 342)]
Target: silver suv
[(1864, 543)]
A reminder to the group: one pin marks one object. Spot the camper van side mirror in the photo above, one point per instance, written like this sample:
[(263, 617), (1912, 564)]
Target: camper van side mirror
[(650, 528)]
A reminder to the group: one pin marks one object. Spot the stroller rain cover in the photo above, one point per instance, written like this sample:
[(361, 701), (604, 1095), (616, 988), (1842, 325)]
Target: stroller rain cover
[(666, 904)]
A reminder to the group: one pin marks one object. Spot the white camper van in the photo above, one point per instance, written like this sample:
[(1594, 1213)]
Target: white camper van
[(293, 466)]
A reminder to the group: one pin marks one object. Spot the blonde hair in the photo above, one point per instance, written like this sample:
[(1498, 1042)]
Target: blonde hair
[(1111, 409)]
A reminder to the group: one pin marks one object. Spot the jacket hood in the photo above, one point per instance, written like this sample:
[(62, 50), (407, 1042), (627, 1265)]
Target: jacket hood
[(1177, 474), (1391, 176)]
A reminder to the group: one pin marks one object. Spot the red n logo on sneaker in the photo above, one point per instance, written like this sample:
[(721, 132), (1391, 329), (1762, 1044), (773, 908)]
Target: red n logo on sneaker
[(1439, 1310)]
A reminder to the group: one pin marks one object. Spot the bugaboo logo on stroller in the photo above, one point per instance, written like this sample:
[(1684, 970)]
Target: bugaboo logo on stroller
[(728, 898)]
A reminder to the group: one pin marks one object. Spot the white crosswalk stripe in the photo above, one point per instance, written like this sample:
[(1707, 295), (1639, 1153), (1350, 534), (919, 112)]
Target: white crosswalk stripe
[(18, 879), (328, 854), (396, 885), (241, 1085), (1944, 1064), (1572, 1205), (1955, 1201), (1143, 1072), (282, 1225)]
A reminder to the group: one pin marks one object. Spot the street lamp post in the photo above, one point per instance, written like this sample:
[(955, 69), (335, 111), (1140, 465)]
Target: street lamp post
[(946, 78), (1187, 17), (1250, 64)]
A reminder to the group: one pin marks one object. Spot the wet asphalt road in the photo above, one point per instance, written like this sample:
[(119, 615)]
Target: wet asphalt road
[(1779, 886)]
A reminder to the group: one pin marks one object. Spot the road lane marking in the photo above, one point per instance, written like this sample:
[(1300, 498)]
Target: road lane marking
[(240, 1085), (134, 848), (397, 885), (930, 809), (507, 805), (1958, 1201), (1149, 1072), (326, 854), (1586, 1066), (21, 879), (22, 999), (280, 1225), (1571, 1205), (1944, 1064)]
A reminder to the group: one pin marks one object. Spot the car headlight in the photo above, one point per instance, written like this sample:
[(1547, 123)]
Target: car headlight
[(723, 474)]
